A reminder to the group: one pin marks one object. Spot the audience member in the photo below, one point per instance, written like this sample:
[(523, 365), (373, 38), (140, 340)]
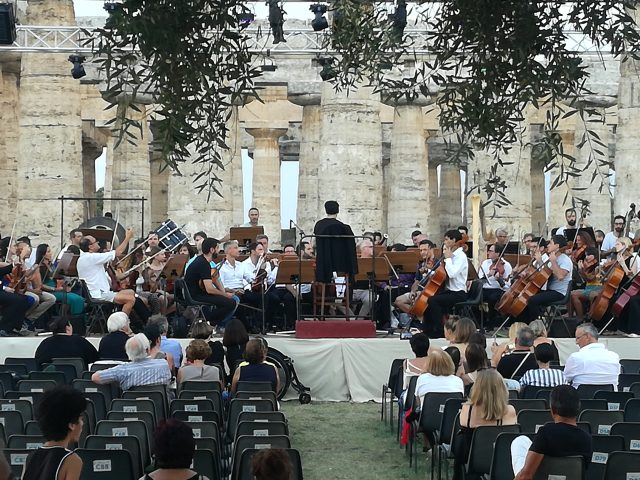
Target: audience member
[(521, 359), (543, 376), (152, 332), (271, 464), (475, 360), (488, 404), (540, 336), (235, 339), (59, 413), (562, 438), (201, 329), (498, 351), (460, 331), (256, 368), (479, 339), (195, 369), (112, 345), (439, 376), (64, 344), (173, 447), (593, 363), (454, 353), (141, 371), (416, 366), (167, 345)]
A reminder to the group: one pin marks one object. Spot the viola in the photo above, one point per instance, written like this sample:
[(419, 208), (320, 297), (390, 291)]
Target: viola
[(610, 286)]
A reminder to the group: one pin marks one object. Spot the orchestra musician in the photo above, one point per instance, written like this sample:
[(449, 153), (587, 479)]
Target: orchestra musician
[(609, 242), (456, 265), (361, 292), (284, 294), (558, 283), (571, 218), (14, 306), (423, 270), (588, 271), (203, 280), (495, 273)]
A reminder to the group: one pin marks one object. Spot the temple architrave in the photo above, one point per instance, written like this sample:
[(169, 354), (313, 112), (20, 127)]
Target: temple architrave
[(383, 161)]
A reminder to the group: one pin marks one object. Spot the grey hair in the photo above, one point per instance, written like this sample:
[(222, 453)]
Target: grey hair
[(160, 321), (361, 243), (589, 329), (501, 231), (137, 347), (525, 337), (117, 321), (229, 244), (538, 328)]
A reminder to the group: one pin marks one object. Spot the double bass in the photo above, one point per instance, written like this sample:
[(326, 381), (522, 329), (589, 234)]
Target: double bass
[(631, 291), (434, 285)]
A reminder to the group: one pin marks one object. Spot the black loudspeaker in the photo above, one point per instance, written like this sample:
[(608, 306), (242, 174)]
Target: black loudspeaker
[(560, 329), (7, 24)]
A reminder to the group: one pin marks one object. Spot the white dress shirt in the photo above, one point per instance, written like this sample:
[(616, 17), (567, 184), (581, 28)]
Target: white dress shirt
[(457, 268), (492, 282), (593, 364), (91, 269), (235, 276), (251, 268), (609, 241)]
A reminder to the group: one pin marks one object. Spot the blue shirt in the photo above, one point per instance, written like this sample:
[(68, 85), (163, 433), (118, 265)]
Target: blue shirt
[(149, 371), (173, 347)]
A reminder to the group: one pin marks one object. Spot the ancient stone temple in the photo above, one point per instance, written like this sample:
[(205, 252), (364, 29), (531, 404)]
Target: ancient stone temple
[(383, 161)]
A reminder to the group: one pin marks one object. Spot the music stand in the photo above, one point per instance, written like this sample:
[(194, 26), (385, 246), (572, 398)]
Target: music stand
[(517, 260), (570, 233), (290, 272), (370, 270), (403, 262), (245, 235), (98, 233), (66, 266), (174, 268), (512, 247)]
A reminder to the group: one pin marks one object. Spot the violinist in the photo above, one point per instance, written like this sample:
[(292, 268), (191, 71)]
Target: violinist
[(494, 272), (153, 285), (258, 271), (456, 265), (203, 279), (583, 241), (561, 272), (587, 269), (423, 271), (91, 269), (14, 306)]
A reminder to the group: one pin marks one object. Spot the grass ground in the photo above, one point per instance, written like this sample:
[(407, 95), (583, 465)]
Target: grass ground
[(347, 441)]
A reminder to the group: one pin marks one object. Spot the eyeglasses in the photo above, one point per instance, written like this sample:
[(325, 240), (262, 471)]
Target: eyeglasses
[(580, 336)]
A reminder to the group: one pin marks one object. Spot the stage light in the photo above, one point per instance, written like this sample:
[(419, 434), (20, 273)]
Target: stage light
[(276, 20), (7, 24), (112, 7), (327, 72), (77, 71), (319, 22)]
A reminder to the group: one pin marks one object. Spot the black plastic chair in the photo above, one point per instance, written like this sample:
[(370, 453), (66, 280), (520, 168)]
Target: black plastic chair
[(214, 395), (133, 406), (129, 443), (12, 422), (16, 458), (37, 386), (78, 364), (134, 428), (30, 364), (631, 433), (632, 410), (531, 420), (594, 404), (602, 445), (620, 464), (263, 429), (601, 420), (587, 390), (201, 416), (625, 380), (25, 442), (32, 428), (471, 305), (262, 395), (560, 467), (25, 407), (501, 459), (238, 405), (553, 312), (251, 442), (528, 404), (145, 417), (388, 394), (630, 365), (207, 463), (184, 299), (96, 310), (531, 391), (615, 400), (69, 371), (106, 464), (158, 399), (244, 386), (481, 451), (447, 426)]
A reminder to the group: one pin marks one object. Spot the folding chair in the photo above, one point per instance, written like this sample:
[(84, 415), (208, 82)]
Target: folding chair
[(481, 451), (135, 428), (36, 385), (586, 391), (78, 364), (632, 410), (531, 420), (25, 442), (625, 380), (554, 311), (58, 377), (244, 386), (388, 389), (601, 420), (238, 405), (190, 405), (88, 386), (201, 416), (183, 298), (620, 464), (553, 468), (262, 417), (106, 464), (12, 422), (199, 385), (408, 403), (635, 389), (249, 441), (630, 365), (158, 399), (7, 381), (214, 395), (447, 424), (528, 404), (615, 400), (207, 463), (501, 459), (99, 404), (468, 307), (32, 428), (16, 457), (631, 433), (602, 445), (25, 407), (244, 468), (129, 443)]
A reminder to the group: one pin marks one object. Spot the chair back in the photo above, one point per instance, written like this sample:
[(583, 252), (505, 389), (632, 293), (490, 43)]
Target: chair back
[(451, 411), (528, 404), (12, 422), (560, 468), (135, 428), (261, 429), (129, 443), (106, 464), (531, 391), (630, 432), (615, 400), (482, 442), (531, 420), (601, 420), (25, 442), (630, 365), (16, 458), (632, 410), (602, 446), (625, 380), (252, 442), (587, 391), (207, 463), (25, 407), (432, 412), (30, 364), (245, 386), (501, 459), (593, 404), (620, 464), (37, 386), (239, 405)]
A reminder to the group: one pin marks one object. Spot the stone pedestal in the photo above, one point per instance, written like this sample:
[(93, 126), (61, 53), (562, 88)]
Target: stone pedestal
[(131, 176), (309, 208), (9, 103), (266, 177), (350, 169), (408, 206), (50, 144)]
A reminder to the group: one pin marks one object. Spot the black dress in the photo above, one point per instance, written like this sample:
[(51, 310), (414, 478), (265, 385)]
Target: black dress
[(43, 463)]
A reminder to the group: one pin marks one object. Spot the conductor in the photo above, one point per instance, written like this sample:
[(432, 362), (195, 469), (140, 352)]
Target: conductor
[(334, 254)]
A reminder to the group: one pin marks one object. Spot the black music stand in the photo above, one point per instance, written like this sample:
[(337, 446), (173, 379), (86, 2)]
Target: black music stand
[(570, 233), (174, 268), (292, 270), (66, 266), (512, 247), (245, 235)]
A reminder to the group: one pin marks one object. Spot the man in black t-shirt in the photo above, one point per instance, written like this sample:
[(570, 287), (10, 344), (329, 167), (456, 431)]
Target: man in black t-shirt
[(203, 288), (515, 364), (562, 438)]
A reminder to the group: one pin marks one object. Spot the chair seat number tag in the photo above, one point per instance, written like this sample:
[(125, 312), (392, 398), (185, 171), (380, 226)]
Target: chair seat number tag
[(37, 390), (129, 408), (200, 398), (8, 407), (626, 389), (197, 433), (604, 429), (34, 445), (599, 457), (113, 446), (91, 390), (613, 406), (556, 477), (538, 428), (194, 418), (102, 465), (248, 408), (633, 476), (262, 446), (634, 445), (18, 458), (191, 408), (261, 433), (120, 432)]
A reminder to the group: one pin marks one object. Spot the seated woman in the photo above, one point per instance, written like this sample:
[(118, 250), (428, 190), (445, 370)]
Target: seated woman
[(412, 367), (458, 330), (201, 329), (112, 345), (173, 447), (195, 369), (59, 415), (488, 404), (498, 351), (439, 377), (475, 360), (256, 369), (540, 332), (235, 339), (64, 344)]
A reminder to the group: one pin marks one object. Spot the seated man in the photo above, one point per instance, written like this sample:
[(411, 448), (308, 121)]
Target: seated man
[(167, 345), (141, 370), (91, 269), (494, 273), (593, 363), (562, 438), (515, 364)]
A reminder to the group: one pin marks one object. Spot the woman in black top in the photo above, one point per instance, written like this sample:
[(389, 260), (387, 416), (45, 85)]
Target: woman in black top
[(112, 345), (235, 339), (59, 414), (256, 368), (64, 344)]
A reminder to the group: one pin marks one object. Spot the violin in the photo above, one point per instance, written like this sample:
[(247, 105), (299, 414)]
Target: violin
[(578, 253), (215, 273)]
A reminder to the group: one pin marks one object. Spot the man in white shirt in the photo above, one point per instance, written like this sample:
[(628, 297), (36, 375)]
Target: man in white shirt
[(571, 217), (593, 363), (91, 269), (610, 239), (456, 265), (494, 272)]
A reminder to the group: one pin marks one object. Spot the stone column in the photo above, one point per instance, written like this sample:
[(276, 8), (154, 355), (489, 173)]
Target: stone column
[(234, 155), (434, 217), (50, 144), (131, 175), (159, 189), (310, 208), (596, 192), (266, 176), (408, 172), (90, 151), (450, 197), (350, 169), (9, 103)]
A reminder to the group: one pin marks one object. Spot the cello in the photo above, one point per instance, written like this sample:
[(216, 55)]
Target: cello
[(631, 291), (612, 280), (434, 285)]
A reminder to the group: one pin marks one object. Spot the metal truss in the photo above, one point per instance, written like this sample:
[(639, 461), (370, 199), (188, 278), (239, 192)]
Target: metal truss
[(299, 42)]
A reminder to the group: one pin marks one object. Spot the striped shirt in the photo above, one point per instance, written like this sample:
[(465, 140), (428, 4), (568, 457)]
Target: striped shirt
[(149, 371), (543, 377)]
